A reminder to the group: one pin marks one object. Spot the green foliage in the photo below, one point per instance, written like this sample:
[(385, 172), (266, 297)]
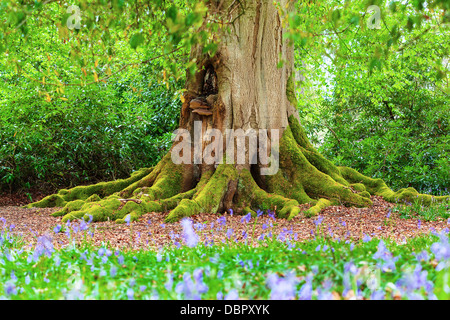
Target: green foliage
[(378, 100), (417, 210), (102, 133)]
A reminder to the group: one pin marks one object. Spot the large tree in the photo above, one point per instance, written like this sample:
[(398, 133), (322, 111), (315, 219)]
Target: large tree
[(242, 77)]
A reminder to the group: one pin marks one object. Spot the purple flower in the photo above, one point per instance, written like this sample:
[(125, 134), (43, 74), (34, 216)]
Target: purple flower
[(414, 281), (318, 221), (57, 229), (324, 292), (232, 295), (377, 295), (101, 252), (229, 233), (44, 246), (246, 218), (222, 220), (419, 224), (187, 288), (441, 251), (10, 288), (189, 235), (366, 238), (169, 283), (130, 294), (282, 288), (306, 290), (113, 271), (384, 255)]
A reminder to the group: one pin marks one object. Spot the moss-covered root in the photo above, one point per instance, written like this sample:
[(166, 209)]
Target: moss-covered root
[(316, 183), (165, 192), (103, 189), (378, 187), (209, 194), (252, 196), (319, 206)]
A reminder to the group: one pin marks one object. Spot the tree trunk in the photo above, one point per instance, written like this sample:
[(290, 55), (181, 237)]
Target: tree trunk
[(243, 87)]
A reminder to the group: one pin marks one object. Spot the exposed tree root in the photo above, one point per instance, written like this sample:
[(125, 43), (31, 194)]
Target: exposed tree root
[(305, 176)]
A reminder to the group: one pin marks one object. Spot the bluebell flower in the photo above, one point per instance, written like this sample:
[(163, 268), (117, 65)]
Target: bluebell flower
[(130, 294), (219, 295), (222, 220), (232, 295), (113, 271), (306, 291), (318, 221), (44, 246), (101, 252), (246, 218), (384, 255), (229, 233), (169, 283), (189, 235), (187, 288), (282, 288), (441, 251), (57, 228), (378, 295), (324, 291), (10, 288)]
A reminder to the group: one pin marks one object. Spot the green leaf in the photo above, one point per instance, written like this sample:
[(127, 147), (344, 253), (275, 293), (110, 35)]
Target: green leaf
[(136, 40)]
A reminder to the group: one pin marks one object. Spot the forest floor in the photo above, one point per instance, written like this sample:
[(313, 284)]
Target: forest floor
[(150, 231)]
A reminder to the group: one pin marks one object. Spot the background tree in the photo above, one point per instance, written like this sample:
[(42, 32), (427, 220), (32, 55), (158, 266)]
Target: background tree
[(248, 47)]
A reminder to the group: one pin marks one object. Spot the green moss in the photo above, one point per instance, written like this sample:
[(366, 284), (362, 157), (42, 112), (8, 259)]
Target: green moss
[(209, 197), (364, 194), (319, 206), (186, 208), (316, 183), (69, 207), (93, 198), (358, 187), (312, 155), (54, 200)]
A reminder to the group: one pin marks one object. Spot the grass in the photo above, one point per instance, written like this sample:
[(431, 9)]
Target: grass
[(416, 210), (279, 268)]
